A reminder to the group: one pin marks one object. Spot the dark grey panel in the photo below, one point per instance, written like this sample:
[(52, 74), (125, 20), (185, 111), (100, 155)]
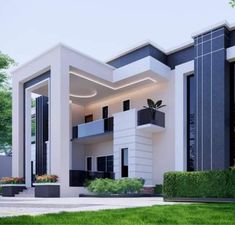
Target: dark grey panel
[(232, 38), (37, 79), (41, 134), (137, 54), (213, 102), (206, 111), (180, 57)]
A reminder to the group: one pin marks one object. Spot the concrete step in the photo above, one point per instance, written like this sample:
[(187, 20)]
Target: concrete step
[(29, 192)]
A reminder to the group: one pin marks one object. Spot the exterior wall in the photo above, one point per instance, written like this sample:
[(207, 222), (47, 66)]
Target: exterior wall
[(5, 166), (163, 143), (139, 144), (212, 100), (98, 149)]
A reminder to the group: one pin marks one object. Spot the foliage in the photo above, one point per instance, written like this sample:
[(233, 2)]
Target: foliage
[(201, 184), (46, 178), (12, 180), (158, 189), (186, 214), (5, 104), (154, 105), (119, 186), (232, 3)]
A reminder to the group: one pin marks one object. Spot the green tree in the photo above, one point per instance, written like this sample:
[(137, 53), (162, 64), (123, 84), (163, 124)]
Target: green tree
[(5, 104), (232, 3)]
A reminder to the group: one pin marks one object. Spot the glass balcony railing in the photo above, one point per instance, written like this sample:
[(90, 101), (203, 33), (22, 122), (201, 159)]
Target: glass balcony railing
[(93, 128)]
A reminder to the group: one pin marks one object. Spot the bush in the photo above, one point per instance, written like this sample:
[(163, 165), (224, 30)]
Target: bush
[(201, 184), (12, 180), (46, 179), (158, 189), (121, 186)]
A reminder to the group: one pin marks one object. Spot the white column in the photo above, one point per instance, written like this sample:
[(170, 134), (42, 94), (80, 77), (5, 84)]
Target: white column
[(17, 129), (28, 121), (60, 124), (181, 72)]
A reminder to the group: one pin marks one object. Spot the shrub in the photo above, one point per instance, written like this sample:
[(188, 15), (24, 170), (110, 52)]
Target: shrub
[(201, 184), (12, 180), (120, 186), (46, 179), (158, 189)]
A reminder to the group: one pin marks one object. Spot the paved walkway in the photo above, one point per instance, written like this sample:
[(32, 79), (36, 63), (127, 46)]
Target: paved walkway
[(35, 206)]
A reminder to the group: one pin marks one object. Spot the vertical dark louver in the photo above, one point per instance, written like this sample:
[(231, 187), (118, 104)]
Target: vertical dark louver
[(41, 134)]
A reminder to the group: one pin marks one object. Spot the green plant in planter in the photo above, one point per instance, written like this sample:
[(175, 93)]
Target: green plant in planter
[(153, 106)]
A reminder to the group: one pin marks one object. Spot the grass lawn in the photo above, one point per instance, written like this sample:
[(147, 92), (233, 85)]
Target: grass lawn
[(175, 214)]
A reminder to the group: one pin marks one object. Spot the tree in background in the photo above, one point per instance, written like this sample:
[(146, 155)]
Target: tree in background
[(232, 3), (5, 104)]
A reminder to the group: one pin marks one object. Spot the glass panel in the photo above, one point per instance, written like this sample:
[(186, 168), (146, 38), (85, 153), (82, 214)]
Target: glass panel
[(125, 162), (89, 163), (109, 163), (191, 123), (101, 163)]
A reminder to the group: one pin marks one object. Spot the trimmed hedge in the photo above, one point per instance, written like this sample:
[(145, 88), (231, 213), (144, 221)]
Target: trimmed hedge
[(120, 186), (201, 184)]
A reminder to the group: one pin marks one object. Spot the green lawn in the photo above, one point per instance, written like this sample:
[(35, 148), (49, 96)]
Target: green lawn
[(175, 214)]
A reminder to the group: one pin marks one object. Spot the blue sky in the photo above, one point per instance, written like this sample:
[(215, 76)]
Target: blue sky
[(103, 28)]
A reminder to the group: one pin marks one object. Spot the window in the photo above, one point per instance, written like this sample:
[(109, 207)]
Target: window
[(191, 123), (89, 163), (124, 153), (105, 163), (126, 105), (232, 115), (105, 112), (88, 118)]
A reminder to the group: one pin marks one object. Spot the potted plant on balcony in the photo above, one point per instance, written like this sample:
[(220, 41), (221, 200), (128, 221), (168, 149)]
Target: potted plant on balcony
[(151, 114), (12, 186), (153, 106), (46, 186)]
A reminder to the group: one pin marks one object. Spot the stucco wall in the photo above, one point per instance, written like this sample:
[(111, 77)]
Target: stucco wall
[(5, 166), (163, 143)]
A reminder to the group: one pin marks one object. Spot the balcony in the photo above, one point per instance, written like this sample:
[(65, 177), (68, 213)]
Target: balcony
[(77, 178), (93, 129), (151, 120)]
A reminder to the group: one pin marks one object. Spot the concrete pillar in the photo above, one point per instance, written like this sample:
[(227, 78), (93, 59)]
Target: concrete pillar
[(60, 123), (17, 129)]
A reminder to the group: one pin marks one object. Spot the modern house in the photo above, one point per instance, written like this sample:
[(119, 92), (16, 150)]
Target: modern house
[(90, 120)]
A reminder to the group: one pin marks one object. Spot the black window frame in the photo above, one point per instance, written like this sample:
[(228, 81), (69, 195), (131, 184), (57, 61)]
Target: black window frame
[(105, 112), (87, 163), (106, 159), (126, 105), (124, 168)]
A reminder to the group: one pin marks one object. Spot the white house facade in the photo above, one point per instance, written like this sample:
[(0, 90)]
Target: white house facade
[(90, 120)]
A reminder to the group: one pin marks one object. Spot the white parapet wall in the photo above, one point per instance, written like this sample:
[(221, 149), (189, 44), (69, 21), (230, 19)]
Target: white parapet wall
[(139, 146)]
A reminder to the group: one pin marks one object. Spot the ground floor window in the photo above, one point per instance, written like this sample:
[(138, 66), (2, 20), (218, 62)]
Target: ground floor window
[(191, 123), (89, 163), (124, 154), (105, 163)]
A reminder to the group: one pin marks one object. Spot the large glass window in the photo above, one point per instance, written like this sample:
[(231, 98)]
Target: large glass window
[(124, 162), (232, 115), (89, 163), (105, 163), (191, 123)]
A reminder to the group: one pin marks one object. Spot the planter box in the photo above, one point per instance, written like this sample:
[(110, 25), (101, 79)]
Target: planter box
[(10, 190), (151, 116), (47, 190)]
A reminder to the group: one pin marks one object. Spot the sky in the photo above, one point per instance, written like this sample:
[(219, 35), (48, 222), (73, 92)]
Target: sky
[(103, 28)]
